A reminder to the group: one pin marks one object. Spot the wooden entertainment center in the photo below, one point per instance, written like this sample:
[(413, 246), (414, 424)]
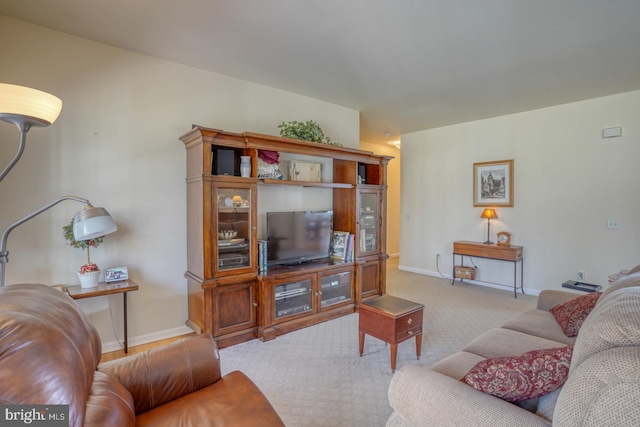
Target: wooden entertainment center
[(228, 296)]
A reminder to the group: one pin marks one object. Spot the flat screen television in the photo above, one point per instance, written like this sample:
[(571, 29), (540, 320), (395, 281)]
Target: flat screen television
[(298, 236)]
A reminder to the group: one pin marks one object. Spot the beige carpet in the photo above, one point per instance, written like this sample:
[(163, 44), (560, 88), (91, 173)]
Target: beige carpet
[(315, 376)]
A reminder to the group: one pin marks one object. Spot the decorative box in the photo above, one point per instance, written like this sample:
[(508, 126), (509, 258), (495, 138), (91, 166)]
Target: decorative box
[(305, 171), (462, 272)]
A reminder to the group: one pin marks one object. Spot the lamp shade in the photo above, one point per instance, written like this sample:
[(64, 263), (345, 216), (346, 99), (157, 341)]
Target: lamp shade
[(19, 103), (489, 214), (91, 222)]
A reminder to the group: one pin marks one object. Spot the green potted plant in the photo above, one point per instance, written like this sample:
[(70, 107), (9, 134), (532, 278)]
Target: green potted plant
[(89, 272), (306, 131)]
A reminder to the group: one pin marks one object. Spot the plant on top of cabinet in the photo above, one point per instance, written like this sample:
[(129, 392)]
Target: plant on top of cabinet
[(306, 131)]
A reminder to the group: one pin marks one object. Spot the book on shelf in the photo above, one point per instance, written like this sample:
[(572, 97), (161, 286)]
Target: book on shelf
[(349, 250), (262, 255), (339, 241)]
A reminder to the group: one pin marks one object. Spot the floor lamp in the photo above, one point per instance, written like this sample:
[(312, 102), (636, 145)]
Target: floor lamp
[(27, 108)]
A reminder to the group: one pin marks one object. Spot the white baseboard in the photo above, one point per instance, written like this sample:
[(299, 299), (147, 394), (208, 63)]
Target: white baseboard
[(527, 291), (144, 339)]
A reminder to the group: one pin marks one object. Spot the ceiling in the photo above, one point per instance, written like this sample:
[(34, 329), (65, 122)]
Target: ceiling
[(406, 65)]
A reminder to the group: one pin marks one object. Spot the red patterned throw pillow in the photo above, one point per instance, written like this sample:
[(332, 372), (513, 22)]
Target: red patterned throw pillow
[(570, 315), (517, 378)]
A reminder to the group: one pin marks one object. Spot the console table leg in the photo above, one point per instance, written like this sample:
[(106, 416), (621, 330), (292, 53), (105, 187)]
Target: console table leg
[(515, 282), (361, 342), (453, 270), (418, 345)]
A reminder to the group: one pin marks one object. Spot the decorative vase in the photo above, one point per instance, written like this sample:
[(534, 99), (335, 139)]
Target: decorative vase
[(245, 166), (90, 279)]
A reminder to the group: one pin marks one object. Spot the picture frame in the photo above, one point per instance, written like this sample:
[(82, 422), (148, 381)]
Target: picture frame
[(339, 244), (116, 274), (493, 183)]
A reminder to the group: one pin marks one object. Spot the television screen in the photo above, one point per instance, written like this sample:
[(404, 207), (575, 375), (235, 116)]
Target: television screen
[(296, 237)]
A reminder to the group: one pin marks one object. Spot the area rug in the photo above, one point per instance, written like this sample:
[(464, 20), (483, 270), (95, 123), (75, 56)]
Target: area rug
[(315, 376)]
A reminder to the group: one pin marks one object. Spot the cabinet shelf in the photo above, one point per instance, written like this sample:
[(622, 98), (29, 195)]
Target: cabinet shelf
[(305, 183)]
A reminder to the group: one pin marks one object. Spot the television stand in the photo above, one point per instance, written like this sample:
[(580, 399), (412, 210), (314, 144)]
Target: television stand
[(297, 296)]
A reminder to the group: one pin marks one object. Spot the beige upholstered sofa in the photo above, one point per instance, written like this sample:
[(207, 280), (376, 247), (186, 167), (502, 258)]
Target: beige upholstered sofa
[(602, 386)]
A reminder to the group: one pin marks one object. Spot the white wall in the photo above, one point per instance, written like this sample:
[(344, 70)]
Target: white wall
[(116, 144), (568, 182)]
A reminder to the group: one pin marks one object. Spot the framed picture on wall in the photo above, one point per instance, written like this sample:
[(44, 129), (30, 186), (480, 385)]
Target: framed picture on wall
[(493, 183)]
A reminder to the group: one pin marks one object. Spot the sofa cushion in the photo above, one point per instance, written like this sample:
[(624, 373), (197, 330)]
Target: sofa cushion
[(604, 390), (517, 378), (614, 322), (500, 342), (570, 315), (457, 365), (539, 323)]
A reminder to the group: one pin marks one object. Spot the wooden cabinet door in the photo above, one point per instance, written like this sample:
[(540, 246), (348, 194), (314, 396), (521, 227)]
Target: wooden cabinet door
[(234, 308), (368, 279)]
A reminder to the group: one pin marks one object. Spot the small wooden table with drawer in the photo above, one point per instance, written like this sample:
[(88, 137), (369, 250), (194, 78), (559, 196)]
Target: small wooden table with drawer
[(392, 320)]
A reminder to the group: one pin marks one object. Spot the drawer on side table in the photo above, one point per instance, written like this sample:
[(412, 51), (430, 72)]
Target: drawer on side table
[(408, 322)]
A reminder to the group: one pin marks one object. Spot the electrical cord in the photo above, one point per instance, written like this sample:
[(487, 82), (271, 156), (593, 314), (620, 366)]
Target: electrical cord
[(438, 267), (113, 324)]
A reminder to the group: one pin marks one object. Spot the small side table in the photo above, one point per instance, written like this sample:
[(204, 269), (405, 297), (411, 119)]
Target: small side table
[(392, 320), (104, 289)]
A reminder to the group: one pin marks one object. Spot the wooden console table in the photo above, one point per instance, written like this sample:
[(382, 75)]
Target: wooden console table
[(104, 289), (501, 253)]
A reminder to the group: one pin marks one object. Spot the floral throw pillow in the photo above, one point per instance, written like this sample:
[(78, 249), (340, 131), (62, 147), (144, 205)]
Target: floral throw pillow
[(570, 315), (518, 378)]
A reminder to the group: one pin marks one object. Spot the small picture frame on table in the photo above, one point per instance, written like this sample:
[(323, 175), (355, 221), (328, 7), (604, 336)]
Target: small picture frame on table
[(116, 274)]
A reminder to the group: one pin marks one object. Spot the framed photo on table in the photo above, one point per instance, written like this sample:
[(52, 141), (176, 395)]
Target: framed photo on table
[(493, 183), (116, 274)]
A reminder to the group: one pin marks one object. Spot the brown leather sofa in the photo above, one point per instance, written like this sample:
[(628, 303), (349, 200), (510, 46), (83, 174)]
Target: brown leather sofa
[(50, 354)]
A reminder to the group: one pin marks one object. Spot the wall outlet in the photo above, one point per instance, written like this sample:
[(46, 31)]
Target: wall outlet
[(581, 275), (612, 223)]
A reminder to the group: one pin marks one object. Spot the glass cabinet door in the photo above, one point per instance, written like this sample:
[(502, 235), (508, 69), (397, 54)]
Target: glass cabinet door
[(335, 289), (369, 205), (293, 298), (233, 228)]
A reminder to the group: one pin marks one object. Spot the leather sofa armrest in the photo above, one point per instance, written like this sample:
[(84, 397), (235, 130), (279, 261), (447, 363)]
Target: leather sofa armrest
[(166, 373), (423, 397), (549, 298)]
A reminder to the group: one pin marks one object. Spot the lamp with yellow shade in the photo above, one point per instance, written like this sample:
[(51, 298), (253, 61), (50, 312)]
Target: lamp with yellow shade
[(489, 214)]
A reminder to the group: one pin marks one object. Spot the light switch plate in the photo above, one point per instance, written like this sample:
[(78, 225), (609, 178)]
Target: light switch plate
[(612, 132)]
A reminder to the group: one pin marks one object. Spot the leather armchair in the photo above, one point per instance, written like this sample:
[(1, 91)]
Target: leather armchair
[(50, 353)]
